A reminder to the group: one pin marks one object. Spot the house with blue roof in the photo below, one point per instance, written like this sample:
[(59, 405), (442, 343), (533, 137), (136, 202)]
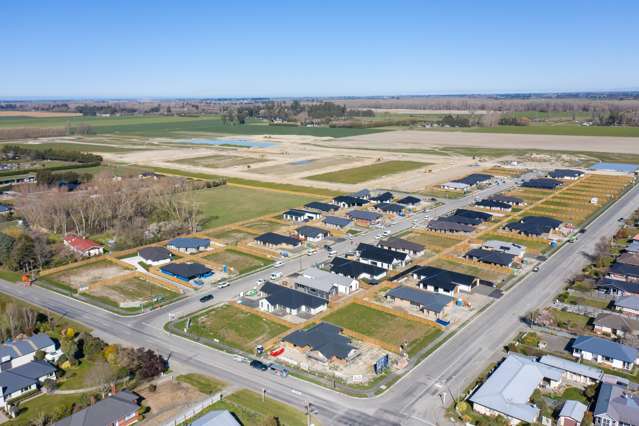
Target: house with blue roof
[(604, 351), (189, 245), (336, 222), (20, 352), (21, 380)]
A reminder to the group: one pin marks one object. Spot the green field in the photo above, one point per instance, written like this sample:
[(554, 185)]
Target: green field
[(173, 126), (229, 204), (384, 326), (82, 147), (205, 384), (241, 263), (571, 321), (31, 410), (234, 327), (366, 173)]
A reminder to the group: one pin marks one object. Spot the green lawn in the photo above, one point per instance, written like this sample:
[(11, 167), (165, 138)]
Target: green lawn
[(535, 247), (239, 262), (384, 326), (570, 130), (73, 146), (49, 405), (205, 384), (248, 408), (570, 320), (366, 173), (580, 300), (234, 327), (229, 204)]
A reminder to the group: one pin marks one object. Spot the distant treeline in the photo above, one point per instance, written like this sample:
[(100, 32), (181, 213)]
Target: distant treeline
[(21, 152)]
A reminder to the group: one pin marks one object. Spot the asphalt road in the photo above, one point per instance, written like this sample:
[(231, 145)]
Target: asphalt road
[(417, 399)]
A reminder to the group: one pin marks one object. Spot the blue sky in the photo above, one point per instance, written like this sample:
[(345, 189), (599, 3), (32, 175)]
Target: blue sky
[(314, 48)]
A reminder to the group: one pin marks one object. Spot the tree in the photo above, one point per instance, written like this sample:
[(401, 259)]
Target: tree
[(70, 348), (6, 245), (22, 257), (39, 355), (102, 376)]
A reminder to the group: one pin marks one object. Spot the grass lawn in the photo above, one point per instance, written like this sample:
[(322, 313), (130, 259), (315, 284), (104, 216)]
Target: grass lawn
[(234, 327), (580, 300), (229, 204), (263, 226), (370, 172), (239, 262), (231, 236), (437, 192), (384, 326), (48, 404), (205, 384), (432, 242), (483, 273), (570, 320), (248, 408)]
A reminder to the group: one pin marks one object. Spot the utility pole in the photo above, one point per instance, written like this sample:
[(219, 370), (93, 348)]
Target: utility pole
[(308, 414), (263, 394)]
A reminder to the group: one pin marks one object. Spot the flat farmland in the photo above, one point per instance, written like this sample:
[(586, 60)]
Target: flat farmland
[(370, 172), (239, 262), (383, 326), (229, 204), (220, 161), (234, 327)]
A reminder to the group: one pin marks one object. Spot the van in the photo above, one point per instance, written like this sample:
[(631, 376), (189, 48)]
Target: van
[(276, 275)]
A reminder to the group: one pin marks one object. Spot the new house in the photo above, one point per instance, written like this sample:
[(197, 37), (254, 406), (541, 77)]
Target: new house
[(533, 225), (444, 281), (83, 246), (404, 246), (442, 225), (336, 222), (628, 305), (296, 215), (362, 193), (464, 220), (311, 233), (357, 270), (271, 239), (323, 207), (189, 245), (381, 257), (508, 199), (617, 288), (491, 257), (616, 325), (293, 302), (572, 371), (481, 216), (323, 342), (455, 186), (21, 352), (508, 390), (624, 272), (187, 271), (467, 182), (432, 304), (155, 256), (514, 249), (606, 352), (120, 409), (409, 200), (616, 407), (384, 197), (24, 379), (391, 208), (566, 174), (541, 183), (346, 201), (324, 284), (364, 217), (494, 205)]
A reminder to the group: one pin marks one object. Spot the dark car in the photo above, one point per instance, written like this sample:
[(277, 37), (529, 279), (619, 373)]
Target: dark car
[(206, 298), (259, 365)]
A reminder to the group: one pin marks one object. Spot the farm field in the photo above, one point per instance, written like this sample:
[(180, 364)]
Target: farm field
[(234, 327), (560, 130), (383, 326), (130, 290), (305, 165), (91, 273), (82, 147), (220, 161), (238, 262), (229, 204), (370, 172)]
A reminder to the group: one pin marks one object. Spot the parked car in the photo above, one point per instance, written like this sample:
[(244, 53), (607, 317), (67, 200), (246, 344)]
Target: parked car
[(535, 269), (332, 253), (387, 233), (278, 263), (223, 284), (206, 298), (259, 365), (260, 281), (276, 275)]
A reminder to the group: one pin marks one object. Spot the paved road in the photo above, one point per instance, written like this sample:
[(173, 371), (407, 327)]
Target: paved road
[(414, 400)]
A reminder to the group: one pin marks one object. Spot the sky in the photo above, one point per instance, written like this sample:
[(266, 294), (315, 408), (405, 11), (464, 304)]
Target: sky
[(138, 49)]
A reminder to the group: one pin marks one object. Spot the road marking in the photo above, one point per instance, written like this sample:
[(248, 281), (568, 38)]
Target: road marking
[(296, 392)]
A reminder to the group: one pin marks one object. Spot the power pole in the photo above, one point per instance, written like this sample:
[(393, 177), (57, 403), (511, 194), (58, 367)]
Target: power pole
[(263, 394)]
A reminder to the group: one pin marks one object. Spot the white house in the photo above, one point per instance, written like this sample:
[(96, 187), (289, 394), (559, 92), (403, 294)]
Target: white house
[(24, 379), (155, 256), (21, 352), (293, 302), (574, 371), (604, 351), (324, 284), (82, 246)]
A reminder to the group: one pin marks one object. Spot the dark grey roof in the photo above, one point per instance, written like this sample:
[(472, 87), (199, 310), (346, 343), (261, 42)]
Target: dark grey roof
[(187, 243), (625, 269), (507, 199), (362, 193), (367, 251), (483, 216), (533, 225), (294, 213), (617, 322), (311, 231), (395, 243), (383, 197), (444, 225), (324, 338), (493, 204), (325, 207), (614, 402), (277, 239), (349, 201), (490, 256), (278, 295), (24, 376), (354, 269), (474, 178), (465, 220), (390, 207), (440, 277), (629, 258), (628, 302), (618, 285), (363, 215), (27, 346), (337, 221), (105, 412), (409, 200), (541, 183), (154, 254), (186, 270), (599, 346), (4, 208), (433, 302), (565, 173)]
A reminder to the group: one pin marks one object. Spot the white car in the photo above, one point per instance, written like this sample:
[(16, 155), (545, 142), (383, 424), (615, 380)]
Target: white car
[(223, 285), (387, 233), (332, 253), (260, 281), (378, 236), (278, 263), (276, 275)]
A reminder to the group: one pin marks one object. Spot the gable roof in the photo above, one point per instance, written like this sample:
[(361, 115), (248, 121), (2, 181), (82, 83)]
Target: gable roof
[(541, 183), (354, 269), (509, 388), (629, 258), (362, 193), (625, 269), (633, 247), (439, 277), (409, 200), (349, 200), (617, 322), (574, 410), (599, 346), (337, 221), (367, 251), (27, 346), (483, 216), (154, 254), (534, 225), (465, 220), (493, 204), (572, 367), (321, 280), (444, 225), (614, 402), (490, 256), (363, 215), (325, 207), (23, 376), (506, 199), (79, 243), (295, 213), (216, 418), (628, 302), (277, 239), (395, 243), (618, 285), (390, 207), (278, 295), (311, 231), (324, 338), (189, 243), (186, 270), (104, 412), (433, 302), (565, 173), (383, 197), (474, 178), (504, 246)]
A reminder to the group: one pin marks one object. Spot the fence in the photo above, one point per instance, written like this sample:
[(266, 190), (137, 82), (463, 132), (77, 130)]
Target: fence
[(194, 410)]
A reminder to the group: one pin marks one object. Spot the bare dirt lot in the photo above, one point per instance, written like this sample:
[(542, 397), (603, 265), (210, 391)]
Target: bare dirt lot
[(38, 114), (168, 400), (91, 273)]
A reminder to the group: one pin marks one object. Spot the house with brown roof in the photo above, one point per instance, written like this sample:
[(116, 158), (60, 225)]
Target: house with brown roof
[(616, 325)]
